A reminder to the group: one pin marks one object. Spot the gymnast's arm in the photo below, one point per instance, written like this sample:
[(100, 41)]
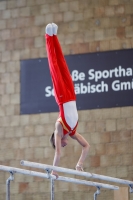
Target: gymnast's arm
[(85, 149), (57, 134)]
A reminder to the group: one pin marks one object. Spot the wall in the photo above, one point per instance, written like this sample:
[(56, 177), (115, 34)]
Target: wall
[(84, 26)]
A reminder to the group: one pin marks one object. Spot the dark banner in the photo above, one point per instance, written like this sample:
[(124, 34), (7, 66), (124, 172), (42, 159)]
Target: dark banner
[(101, 80)]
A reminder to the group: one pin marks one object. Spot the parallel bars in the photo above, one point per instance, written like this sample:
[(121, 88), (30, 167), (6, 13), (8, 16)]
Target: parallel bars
[(12, 171), (75, 172)]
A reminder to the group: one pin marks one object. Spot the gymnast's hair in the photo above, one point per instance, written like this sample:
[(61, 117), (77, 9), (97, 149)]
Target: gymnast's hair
[(52, 140)]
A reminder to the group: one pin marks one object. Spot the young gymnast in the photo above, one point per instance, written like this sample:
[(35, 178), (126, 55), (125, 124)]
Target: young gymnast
[(65, 97)]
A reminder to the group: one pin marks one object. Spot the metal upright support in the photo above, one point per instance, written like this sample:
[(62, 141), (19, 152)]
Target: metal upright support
[(131, 188), (96, 193), (51, 182), (11, 178), (52, 189)]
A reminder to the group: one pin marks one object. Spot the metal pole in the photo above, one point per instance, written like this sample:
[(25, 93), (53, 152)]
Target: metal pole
[(131, 188), (52, 188), (96, 193), (11, 178), (51, 183)]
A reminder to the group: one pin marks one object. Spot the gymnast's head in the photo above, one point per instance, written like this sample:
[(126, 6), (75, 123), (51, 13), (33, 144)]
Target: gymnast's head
[(64, 141)]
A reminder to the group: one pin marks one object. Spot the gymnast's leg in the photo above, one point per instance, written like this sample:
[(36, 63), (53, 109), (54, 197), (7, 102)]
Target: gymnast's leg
[(68, 83), (56, 75)]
